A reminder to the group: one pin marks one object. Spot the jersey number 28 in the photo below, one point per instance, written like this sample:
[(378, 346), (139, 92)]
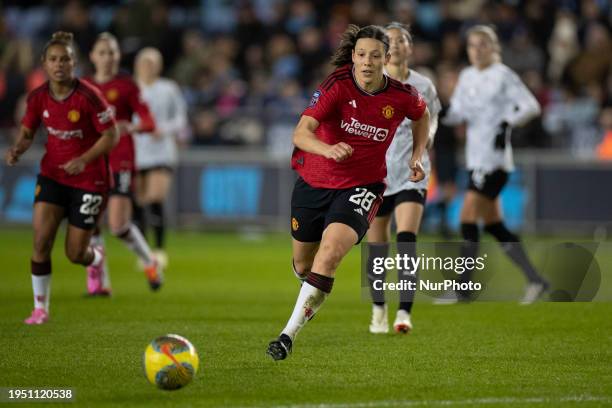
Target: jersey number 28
[(363, 198)]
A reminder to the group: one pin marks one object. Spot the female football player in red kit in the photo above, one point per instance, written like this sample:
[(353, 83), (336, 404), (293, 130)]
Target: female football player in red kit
[(123, 95), (74, 177), (340, 146)]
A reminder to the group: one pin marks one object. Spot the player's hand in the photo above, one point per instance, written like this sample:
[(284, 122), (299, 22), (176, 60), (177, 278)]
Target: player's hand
[(418, 172), (125, 127), (500, 136), (74, 166), (11, 157), (339, 152)]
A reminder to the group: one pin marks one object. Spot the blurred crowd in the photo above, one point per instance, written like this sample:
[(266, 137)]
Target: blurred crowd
[(248, 68)]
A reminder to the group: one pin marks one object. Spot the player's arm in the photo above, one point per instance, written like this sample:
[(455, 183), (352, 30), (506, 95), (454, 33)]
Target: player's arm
[(104, 145), (420, 135), (433, 104), (21, 145), (305, 139), (526, 106), (146, 123)]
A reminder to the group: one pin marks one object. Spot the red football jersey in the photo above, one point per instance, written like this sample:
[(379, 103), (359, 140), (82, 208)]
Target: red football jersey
[(73, 126), (123, 95), (367, 122)]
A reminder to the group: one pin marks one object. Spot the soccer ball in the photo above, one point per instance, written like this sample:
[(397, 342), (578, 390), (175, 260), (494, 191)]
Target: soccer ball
[(170, 362)]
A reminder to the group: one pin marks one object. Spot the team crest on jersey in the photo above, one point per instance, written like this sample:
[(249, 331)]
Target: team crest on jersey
[(112, 95), (388, 111), (294, 224), (315, 98), (74, 116)]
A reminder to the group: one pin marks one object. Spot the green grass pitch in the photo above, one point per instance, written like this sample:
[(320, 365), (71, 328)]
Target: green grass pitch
[(230, 296)]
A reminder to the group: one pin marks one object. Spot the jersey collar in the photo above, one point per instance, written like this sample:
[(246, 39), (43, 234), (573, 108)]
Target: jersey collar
[(363, 91)]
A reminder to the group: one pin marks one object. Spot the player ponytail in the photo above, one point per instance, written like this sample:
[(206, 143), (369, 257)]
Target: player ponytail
[(489, 33), (344, 52), (62, 38)]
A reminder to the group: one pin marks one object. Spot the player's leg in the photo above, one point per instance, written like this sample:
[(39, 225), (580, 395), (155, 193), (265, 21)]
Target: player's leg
[(98, 279), (513, 248), (121, 226), (139, 215), (378, 247), (307, 226), (470, 232), (78, 248), (84, 244), (408, 215), (346, 221), (303, 258), (157, 185), (46, 219), (336, 242)]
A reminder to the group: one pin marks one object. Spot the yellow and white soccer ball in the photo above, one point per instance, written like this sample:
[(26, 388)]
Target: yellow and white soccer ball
[(170, 362)]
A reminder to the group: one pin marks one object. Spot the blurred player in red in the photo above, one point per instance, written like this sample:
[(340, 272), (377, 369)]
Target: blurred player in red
[(340, 146), (74, 176), (123, 95)]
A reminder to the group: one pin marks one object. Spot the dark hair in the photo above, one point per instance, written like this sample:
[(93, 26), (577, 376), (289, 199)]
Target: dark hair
[(404, 28), (343, 55), (60, 38)]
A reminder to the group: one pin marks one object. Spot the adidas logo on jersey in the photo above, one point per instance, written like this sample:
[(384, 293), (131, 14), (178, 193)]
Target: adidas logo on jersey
[(359, 211), (89, 220), (353, 104), (46, 114)]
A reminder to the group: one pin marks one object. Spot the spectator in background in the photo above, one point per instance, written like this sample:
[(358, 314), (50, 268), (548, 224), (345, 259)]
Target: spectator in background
[(312, 53), (205, 128), (283, 59), (16, 62), (563, 45), (75, 19), (594, 62), (194, 56), (522, 54), (604, 150), (572, 121)]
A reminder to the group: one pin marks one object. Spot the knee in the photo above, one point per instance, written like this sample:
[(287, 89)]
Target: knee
[(302, 266), (118, 229), (330, 254), (42, 248), (77, 254)]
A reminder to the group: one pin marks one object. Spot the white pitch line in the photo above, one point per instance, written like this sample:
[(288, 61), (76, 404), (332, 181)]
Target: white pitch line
[(475, 401)]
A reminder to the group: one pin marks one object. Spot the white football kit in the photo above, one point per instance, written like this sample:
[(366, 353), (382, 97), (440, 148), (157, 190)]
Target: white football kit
[(483, 99), (400, 150), (170, 113)]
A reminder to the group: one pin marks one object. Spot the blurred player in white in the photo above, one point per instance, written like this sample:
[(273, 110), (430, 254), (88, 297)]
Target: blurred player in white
[(403, 198), (156, 153), (491, 99)]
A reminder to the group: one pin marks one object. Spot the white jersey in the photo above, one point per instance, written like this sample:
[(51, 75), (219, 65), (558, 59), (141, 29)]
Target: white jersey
[(400, 150), (170, 113), (484, 99)]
